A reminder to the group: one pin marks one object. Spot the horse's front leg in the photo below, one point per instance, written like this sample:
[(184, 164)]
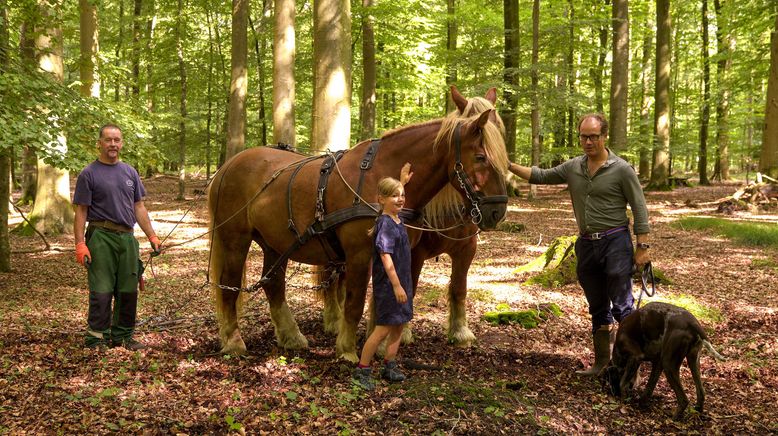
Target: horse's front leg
[(288, 334), (227, 263), (357, 277), (458, 332)]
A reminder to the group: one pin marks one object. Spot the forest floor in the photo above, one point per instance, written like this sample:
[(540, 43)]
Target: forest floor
[(511, 381)]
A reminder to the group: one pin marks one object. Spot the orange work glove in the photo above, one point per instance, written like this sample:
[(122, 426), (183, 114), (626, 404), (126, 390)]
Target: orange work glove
[(82, 253), (156, 244)]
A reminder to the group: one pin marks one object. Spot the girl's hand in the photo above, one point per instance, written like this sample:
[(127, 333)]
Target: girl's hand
[(399, 294)]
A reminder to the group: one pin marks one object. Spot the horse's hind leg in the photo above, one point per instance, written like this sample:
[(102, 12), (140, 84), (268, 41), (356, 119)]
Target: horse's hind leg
[(334, 297), (288, 333), (458, 332), (227, 269)]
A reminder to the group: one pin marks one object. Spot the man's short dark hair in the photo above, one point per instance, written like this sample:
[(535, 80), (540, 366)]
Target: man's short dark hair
[(597, 116), (107, 126)]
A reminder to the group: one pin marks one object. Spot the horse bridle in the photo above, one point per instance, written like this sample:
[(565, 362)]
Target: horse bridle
[(476, 198)]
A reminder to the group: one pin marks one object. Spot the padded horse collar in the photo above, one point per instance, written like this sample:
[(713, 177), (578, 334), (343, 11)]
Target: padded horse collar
[(476, 198)]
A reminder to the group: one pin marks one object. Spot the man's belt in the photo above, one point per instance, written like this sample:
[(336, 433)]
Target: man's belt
[(111, 226), (599, 235)]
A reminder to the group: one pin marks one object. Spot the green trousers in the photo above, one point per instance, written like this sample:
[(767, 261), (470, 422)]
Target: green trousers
[(114, 272)]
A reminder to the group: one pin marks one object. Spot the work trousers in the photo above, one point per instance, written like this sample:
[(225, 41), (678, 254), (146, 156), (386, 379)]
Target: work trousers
[(114, 272), (605, 272)]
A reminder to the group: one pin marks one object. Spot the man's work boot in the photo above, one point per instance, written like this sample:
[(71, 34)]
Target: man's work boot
[(130, 344), (602, 351)]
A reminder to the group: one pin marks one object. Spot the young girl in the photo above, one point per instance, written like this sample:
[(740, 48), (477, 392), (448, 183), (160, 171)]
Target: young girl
[(392, 284)]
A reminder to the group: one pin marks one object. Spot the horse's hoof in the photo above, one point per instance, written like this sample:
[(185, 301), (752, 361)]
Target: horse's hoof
[(297, 342), (463, 338), (234, 350), (349, 356)]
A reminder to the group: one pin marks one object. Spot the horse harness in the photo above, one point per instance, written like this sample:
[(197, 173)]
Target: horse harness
[(324, 225)]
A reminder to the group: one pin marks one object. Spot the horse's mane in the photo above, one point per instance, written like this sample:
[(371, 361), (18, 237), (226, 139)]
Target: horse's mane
[(398, 130), (448, 203)]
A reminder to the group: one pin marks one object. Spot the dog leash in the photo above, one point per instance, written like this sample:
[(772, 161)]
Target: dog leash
[(646, 277)]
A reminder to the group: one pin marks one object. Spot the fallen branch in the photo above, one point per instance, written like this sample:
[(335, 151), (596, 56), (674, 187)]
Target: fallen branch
[(48, 247)]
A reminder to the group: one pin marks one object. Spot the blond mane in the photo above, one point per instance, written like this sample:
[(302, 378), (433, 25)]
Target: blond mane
[(447, 204)]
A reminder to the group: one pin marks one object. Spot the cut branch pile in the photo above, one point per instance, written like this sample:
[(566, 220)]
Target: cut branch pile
[(761, 194)]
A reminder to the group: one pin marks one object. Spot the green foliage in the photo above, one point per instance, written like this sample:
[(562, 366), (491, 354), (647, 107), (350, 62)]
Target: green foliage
[(526, 318), (749, 233), (556, 265)]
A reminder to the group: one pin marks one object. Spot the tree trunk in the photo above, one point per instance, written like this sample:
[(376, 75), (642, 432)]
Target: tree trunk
[(119, 80), (5, 153), (29, 159), (768, 160), (571, 81), (596, 73), (236, 115), (136, 17), (89, 49), (644, 167), (151, 88), (619, 76), (511, 75), (182, 122), (51, 213), (451, 48), (725, 42), (368, 104), (535, 112), (283, 73), (702, 163), (209, 96), (332, 75), (659, 173)]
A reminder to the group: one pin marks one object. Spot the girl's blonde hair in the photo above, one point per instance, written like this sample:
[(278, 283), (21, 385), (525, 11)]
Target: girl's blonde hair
[(386, 187)]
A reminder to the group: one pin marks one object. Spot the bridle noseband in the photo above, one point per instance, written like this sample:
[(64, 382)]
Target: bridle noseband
[(476, 198)]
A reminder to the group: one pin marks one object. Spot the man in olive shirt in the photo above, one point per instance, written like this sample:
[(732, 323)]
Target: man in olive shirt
[(601, 185)]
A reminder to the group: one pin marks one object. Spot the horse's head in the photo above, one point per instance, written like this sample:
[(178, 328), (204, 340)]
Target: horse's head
[(476, 163)]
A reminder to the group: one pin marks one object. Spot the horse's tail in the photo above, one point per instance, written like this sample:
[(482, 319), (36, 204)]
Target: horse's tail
[(216, 257)]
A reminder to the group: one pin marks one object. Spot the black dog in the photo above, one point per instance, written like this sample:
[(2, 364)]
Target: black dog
[(664, 335)]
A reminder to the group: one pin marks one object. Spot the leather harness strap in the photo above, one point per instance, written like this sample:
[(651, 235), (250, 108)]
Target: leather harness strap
[(367, 163)]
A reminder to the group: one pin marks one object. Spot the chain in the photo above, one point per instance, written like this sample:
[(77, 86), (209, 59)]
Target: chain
[(475, 211), (336, 269)]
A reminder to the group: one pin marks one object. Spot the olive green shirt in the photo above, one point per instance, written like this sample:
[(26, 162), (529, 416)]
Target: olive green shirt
[(599, 201)]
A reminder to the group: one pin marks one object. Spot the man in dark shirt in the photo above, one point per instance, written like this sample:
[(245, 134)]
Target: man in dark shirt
[(601, 185), (109, 195)]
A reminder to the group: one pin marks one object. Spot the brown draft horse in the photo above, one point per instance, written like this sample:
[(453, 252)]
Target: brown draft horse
[(262, 193), (459, 241)]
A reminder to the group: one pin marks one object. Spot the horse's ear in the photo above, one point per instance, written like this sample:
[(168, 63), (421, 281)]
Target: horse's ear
[(459, 100), (491, 95), (484, 118)]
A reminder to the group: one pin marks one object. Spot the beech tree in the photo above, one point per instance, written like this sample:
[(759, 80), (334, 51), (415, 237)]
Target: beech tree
[(236, 115), (619, 76), (660, 166), (331, 124), (283, 73), (768, 160), (51, 212)]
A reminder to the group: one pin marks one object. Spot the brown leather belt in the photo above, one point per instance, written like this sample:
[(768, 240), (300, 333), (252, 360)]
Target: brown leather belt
[(111, 226)]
